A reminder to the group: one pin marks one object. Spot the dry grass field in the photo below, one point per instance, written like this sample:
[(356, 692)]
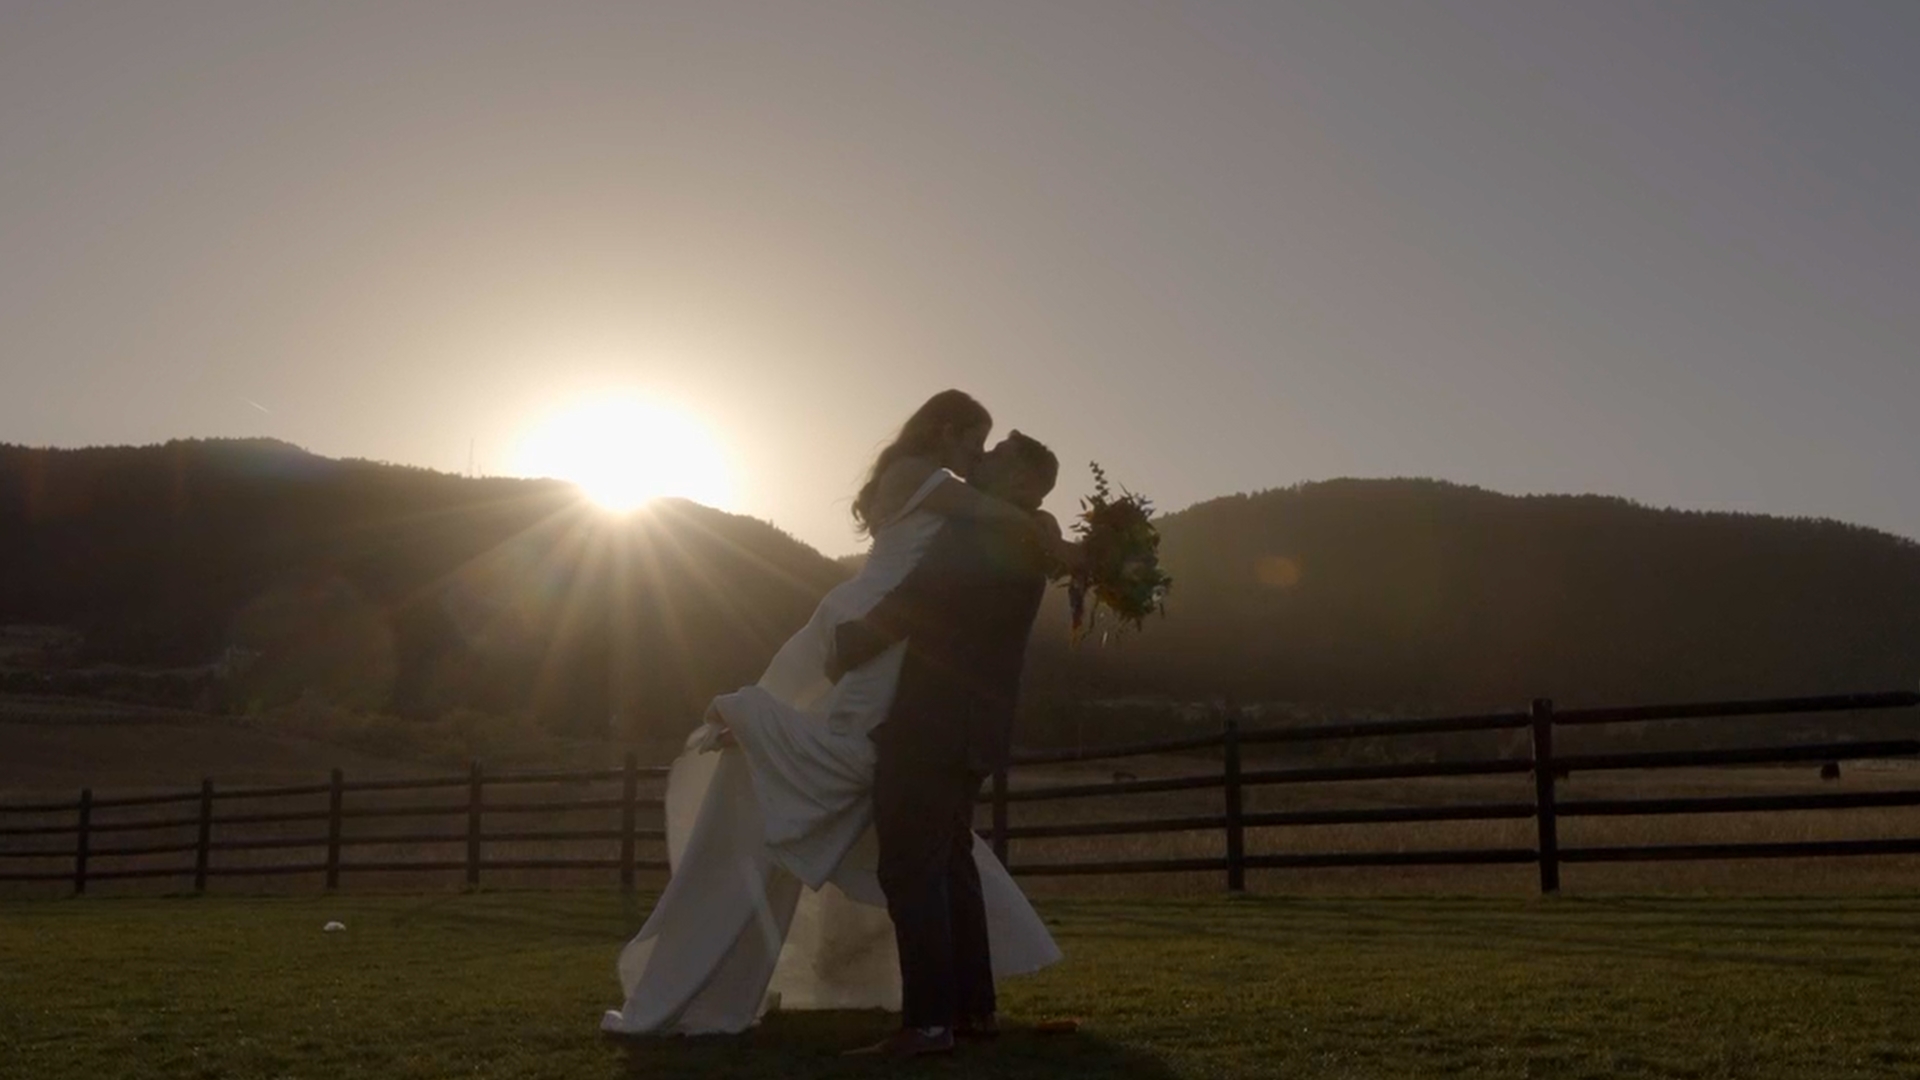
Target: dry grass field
[(52, 747)]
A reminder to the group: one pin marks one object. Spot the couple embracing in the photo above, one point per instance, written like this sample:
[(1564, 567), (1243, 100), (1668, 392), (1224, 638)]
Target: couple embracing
[(819, 825)]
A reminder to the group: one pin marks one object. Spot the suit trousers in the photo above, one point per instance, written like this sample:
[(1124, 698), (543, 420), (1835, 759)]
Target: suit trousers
[(923, 815)]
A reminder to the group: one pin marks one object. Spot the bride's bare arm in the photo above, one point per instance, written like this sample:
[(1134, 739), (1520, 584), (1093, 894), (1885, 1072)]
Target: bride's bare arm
[(952, 498), (956, 498)]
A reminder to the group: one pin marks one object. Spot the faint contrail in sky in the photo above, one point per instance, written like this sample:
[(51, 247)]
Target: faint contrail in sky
[(257, 405)]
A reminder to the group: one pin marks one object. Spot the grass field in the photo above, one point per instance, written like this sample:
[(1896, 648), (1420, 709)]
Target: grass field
[(512, 984)]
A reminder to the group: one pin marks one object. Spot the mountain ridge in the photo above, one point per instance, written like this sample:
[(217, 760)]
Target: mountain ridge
[(1416, 592), (391, 587), (408, 590)]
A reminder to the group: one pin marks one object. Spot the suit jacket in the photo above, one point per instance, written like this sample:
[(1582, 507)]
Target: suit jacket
[(966, 612)]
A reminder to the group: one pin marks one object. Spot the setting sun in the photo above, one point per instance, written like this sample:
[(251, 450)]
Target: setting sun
[(623, 451)]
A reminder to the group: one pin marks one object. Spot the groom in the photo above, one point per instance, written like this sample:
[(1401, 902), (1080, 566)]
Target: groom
[(965, 611)]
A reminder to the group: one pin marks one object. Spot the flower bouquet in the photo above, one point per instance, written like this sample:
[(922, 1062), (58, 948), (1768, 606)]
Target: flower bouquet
[(1122, 570)]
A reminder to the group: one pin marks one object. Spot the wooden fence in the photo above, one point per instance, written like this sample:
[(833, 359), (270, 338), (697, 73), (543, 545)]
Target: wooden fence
[(78, 835), (323, 856)]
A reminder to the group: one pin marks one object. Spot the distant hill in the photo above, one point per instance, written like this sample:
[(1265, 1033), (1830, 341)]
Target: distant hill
[(1419, 594), (394, 588), (252, 574)]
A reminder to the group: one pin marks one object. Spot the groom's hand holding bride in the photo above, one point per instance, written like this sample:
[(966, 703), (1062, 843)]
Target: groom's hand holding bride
[(854, 643)]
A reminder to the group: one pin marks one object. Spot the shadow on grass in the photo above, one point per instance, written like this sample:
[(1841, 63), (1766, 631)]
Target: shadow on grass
[(810, 1044)]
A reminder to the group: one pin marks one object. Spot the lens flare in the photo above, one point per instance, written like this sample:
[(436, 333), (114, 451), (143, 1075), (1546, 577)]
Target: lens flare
[(624, 451), (1277, 571)]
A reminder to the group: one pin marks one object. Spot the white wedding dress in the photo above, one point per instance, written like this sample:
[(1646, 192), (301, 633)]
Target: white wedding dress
[(774, 900)]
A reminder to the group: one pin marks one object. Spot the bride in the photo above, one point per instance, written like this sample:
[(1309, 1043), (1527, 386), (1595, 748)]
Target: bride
[(774, 899)]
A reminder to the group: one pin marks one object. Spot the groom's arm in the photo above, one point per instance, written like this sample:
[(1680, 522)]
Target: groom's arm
[(855, 643), (922, 597)]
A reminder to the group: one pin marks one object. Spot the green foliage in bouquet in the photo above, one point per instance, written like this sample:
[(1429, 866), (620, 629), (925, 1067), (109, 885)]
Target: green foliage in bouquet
[(1122, 572)]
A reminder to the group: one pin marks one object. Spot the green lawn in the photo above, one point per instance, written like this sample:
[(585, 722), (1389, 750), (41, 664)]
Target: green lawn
[(512, 985)]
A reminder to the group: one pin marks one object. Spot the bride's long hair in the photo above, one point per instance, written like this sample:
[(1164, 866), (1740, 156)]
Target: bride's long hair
[(945, 414)]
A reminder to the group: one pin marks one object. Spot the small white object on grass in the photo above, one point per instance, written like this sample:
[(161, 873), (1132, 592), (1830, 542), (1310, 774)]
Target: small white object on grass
[(333, 926)]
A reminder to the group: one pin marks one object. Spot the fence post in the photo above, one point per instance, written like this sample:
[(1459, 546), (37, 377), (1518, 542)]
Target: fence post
[(629, 806), (473, 826), (203, 850), (1236, 831), (80, 845), (1000, 815), (336, 794), (1543, 795)]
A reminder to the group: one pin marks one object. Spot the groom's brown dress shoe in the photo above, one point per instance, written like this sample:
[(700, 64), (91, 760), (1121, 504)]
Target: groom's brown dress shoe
[(909, 1043)]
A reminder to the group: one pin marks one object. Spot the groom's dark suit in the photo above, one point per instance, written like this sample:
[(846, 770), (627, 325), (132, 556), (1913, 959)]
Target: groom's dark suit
[(966, 612)]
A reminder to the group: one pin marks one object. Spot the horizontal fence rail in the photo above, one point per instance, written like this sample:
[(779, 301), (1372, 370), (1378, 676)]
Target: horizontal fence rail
[(459, 817), (328, 829), (1540, 761)]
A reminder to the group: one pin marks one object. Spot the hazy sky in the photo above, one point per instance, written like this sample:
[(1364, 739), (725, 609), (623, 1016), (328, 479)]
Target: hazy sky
[(1668, 251)]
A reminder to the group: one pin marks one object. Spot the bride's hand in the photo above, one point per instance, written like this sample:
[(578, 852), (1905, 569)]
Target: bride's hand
[(1069, 555), (718, 735)]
